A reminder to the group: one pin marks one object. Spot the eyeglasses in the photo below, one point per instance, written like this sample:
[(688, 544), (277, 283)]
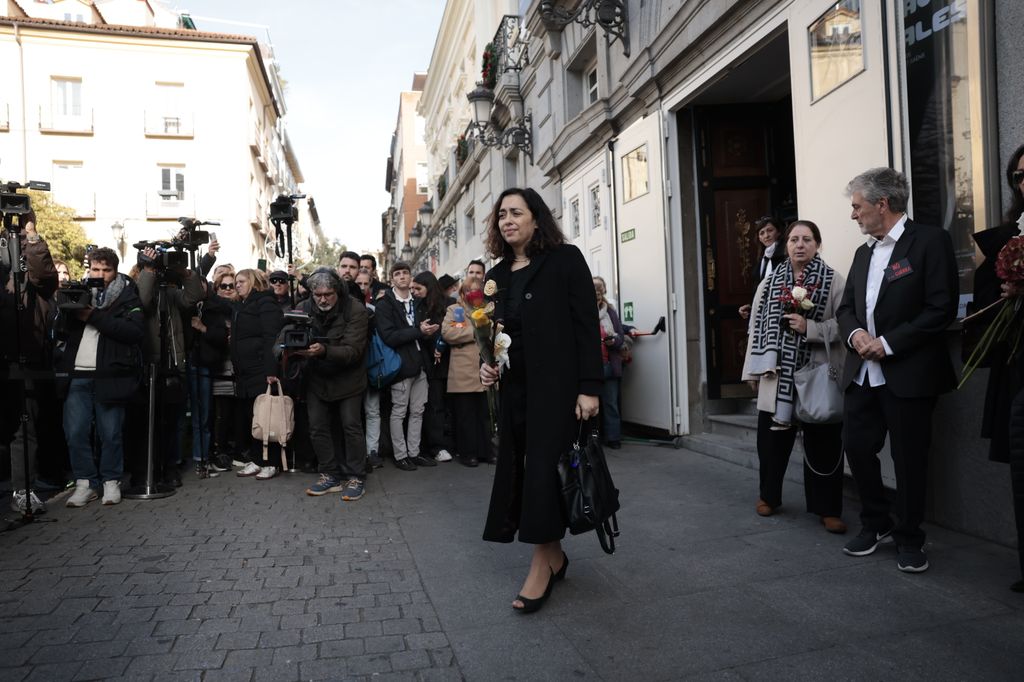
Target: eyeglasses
[(1018, 176), (227, 287), (277, 280)]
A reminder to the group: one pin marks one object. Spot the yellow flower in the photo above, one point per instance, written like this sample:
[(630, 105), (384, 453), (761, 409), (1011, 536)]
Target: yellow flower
[(490, 288), (480, 319)]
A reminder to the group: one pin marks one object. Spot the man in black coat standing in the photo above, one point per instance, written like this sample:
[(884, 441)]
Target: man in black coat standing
[(901, 295)]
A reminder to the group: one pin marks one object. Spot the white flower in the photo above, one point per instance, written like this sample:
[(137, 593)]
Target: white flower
[(502, 341), (799, 293), (806, 304), (490, 288)]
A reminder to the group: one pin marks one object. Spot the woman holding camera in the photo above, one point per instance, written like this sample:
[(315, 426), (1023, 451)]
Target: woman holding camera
[(255, 324)]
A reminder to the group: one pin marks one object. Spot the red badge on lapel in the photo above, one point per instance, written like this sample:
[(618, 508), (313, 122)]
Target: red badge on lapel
[(900, 268)]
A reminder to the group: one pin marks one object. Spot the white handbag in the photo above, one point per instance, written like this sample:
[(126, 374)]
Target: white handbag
[(819, 400)]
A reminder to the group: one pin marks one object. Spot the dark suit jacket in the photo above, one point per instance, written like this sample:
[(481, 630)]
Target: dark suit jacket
[(912, 313)]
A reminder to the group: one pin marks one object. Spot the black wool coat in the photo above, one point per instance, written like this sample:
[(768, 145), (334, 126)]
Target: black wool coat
[(561, 346), (254, 327)]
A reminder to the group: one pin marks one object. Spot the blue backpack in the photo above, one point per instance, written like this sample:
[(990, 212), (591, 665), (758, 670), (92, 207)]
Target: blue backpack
[(382, 363)]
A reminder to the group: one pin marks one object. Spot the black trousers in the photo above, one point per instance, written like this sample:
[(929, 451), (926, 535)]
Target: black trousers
[(870, 413), (434, 439), (823, 465), (1017, 470), (472, 434), (346, 457)]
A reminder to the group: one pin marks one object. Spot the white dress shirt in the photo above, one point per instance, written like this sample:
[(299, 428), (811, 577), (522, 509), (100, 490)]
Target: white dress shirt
[(766, 260), (880, 256)]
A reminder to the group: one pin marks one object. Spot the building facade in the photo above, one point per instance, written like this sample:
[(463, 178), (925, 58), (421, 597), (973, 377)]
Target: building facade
[(406, 175), (660, 131), (139, 124)]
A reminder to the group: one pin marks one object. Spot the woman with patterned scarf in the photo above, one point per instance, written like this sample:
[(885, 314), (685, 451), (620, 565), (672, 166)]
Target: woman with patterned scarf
[(793, 317)]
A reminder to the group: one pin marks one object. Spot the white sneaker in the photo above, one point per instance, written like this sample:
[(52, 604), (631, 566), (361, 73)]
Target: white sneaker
[(266, 472), (83, 494), (111, 492), (443, 456), (18, 502), (250, 469)]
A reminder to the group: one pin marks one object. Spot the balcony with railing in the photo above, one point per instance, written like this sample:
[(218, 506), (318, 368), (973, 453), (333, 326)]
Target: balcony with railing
[(161, 124), (56, 123)]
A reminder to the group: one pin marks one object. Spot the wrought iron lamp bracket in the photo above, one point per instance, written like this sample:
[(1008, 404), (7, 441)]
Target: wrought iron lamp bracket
[(611, 15)]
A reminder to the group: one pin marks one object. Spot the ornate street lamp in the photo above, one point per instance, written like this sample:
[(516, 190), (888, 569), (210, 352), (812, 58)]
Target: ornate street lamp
[(611, 15), (517, 135), (118, 231), (415, 235), (406, 253), (426, 213)]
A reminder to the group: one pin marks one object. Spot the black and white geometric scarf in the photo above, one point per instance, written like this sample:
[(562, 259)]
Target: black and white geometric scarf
[(776, 349)]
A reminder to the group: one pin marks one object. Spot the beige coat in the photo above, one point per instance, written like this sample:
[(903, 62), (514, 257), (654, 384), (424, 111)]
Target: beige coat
[(818, 334), (464, 362)]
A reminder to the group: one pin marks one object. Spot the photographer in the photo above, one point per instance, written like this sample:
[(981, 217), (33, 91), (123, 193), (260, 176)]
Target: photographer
[(104, 342), (335, 378), (155, 276), (37, 287)]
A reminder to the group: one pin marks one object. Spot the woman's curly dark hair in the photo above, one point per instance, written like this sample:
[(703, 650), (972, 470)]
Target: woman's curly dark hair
[(547, 236), (1016, 198)]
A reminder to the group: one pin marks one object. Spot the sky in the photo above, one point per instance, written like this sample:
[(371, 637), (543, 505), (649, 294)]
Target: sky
[(345, 62)]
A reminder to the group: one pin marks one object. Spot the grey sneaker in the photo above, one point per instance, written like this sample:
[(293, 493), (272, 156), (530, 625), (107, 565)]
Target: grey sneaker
[(83, 495), (912, 560), (353, 490), (18, 502), (111, 492), (867, 541)]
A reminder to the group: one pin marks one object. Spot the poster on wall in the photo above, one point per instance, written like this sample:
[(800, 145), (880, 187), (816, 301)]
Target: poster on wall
[(939, 122)]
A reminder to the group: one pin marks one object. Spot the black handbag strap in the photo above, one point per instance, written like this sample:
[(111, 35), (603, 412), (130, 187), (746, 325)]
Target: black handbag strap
[(606, 534)]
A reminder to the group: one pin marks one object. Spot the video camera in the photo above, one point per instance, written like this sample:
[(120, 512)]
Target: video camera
[(78, 295), (190, 237), (15, 205), (298, 333), (283, 208), (166, 256)]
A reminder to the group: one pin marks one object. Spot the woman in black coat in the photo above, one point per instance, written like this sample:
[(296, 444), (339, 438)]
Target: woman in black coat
[(256, 321), (432, 302), (545, 299), (1003, 417)]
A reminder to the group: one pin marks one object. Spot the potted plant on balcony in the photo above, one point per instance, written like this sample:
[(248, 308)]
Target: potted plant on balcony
[(489, 69), (461, 150), (442, 186)]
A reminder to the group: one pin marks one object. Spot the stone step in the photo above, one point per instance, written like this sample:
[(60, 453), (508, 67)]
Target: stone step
[(736, 451), (741, 427)]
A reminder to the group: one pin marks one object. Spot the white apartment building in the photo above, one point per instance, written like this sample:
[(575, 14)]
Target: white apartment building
[(139, 123)]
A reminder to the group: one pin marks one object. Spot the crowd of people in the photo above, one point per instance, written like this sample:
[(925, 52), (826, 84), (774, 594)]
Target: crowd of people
[(216, 338)]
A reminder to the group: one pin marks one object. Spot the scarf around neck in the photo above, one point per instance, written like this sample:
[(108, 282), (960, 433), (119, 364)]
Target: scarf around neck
[(775, 349)]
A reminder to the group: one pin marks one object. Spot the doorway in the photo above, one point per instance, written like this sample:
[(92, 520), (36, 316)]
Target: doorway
[(745, 169)]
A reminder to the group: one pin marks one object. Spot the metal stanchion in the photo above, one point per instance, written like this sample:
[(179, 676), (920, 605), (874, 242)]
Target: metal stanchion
[(150, 489)]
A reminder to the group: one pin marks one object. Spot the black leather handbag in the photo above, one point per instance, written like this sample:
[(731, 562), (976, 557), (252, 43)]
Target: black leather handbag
[(589, 497)]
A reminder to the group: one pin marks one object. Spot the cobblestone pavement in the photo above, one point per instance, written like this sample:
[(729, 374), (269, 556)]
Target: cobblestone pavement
[(236, 579)]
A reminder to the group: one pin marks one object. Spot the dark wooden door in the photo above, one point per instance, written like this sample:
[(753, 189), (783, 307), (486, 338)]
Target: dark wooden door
[(744, 171)]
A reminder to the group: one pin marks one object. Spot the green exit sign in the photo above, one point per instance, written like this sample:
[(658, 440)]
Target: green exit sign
[(628, 236), (627, 311)]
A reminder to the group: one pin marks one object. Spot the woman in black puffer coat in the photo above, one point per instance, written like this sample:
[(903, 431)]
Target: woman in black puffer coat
[(255, 324)]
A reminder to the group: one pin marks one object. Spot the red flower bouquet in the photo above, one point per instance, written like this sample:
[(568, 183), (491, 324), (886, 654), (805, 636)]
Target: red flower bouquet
[(1008, 325)]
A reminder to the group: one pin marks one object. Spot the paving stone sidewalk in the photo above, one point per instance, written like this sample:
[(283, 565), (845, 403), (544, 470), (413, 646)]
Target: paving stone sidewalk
[(237, 579)]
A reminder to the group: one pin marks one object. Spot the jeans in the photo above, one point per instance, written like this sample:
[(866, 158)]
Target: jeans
[(80, 409), (610, 406), (371, 405), (200, 394), (408, 395)]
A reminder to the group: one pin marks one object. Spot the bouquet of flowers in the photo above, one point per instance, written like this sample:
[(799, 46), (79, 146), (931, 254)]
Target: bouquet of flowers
[(796, 300), (1008, 325), (491, 341)]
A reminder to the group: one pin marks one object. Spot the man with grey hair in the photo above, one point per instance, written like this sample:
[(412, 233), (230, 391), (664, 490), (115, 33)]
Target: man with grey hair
[(901, 295), (335, 378)]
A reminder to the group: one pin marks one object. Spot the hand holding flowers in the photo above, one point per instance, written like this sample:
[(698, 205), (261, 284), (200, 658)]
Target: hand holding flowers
[(1008, 324)]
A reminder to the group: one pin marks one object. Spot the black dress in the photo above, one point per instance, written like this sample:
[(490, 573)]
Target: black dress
[(550, 311)]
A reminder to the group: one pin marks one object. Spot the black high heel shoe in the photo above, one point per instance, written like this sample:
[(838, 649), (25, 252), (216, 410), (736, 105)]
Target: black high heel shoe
[(565, 566), (531, 605)]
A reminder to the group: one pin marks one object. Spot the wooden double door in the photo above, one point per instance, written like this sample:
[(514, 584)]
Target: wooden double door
[(745, 170)]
